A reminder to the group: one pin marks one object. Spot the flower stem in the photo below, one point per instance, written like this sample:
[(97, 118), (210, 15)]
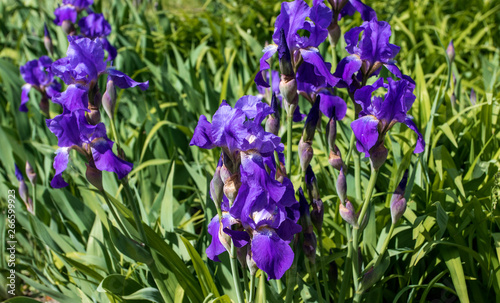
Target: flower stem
[(289, 124), (323, 268), (235, 273), (385, 245), (347, 267), (292, 272), (252, 289), (312, 272)]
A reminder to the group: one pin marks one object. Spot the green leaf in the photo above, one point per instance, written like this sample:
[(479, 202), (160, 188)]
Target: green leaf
[(452, 259), (148, 293)]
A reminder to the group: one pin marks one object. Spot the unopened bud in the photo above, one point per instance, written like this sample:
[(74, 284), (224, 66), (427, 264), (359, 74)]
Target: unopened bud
[(450, 51), (285, 57), (335, 158), (241, 254), (273, 120), (331, 131), (252, 266), (224, 173), (44, 105), (47, 41), (317, 214), (306, 153), (68, 27), (341, 186), (29, 205), (398, 201), (30, 173), (348, 214), (378, 155), (94, 176), (473, 97), (311, 121), (453, 99), (309, 246), (231, 187), (216, 188), (225, 240), (334, 33), (23, 191), (312, 183), (109, 99), (371, 277), (288, 89)]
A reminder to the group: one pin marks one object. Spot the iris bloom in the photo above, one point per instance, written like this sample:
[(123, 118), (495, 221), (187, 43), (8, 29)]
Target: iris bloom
[(95, 26), (368, 54), (70, 9), (37, 75), (264, 213), (348, 7), (73, 128), (306, 59), (379, 114)]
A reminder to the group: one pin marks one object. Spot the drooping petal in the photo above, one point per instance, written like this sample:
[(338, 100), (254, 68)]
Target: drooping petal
[(123, 81), (288, 229), (271, 254), (25, 97), (346, 69), (216, 248), (73, 98), (291, 18), (313, 57), (227, 127), (367, 13), (202, 134), (60, 165), (112, 53), (240, 238), (94, 26), (269, 51), (420, 140), (105, 159), (363, 97), (366, 131), (332, 104)]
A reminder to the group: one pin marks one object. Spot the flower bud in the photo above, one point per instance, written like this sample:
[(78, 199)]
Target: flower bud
[(450, 51), (224, 174), (23, 189), (286, 65), (225, 240), (473, 97), (371, 277), (252, 266), (94, 176), (306, 153), (241, 255), (44, 105), (68, 27), (331, 131), (398, 201), (334, 33), (29, 206), (109, 99), (47, 41), (94, 117), (317, 213), (341, 186), (273, 120), (335, 158), (453, 99), (30, 173), (216, 188), (348, 214), (378, 155), (288, 89), (311, 121), (311, 183), (231, 187), (309, 246)]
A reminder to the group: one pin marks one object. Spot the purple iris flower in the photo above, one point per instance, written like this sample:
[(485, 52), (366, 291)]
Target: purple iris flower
[(292, 18), (368, 54), (74, 132), (65, 12), (379, 114), (237, 129), (37, 75), (84, 63), (263, 217), (79, 4), (349, 7), (95, 26)]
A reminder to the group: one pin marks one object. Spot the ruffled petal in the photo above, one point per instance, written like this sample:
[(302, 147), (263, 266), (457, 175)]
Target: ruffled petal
[(60, 165), (271, 254), (216, 248), (332, 104), (312, 56), (366, 131), (123, 81), (105, 159), (269, 51), (420, 140), (347, 67), (202, 134), (73, 98)]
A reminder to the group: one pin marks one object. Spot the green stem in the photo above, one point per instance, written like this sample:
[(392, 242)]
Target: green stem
[(235, 273), (114, 214), (352, 142), (115, 133), (312, 272), (323, 268), (347, 267), (252, 288), (279, 286), (292, 272), (384, 246), (357, 176), (34, 198), (289, 124), (262, 287), (152, 267), (356, 230)]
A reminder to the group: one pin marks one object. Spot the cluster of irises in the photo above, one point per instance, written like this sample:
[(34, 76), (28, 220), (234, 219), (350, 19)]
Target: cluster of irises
[(79, 126), (251, 189)]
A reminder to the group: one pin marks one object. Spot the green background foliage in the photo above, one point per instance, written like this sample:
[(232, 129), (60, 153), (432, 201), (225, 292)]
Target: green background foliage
[(196, 54)]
